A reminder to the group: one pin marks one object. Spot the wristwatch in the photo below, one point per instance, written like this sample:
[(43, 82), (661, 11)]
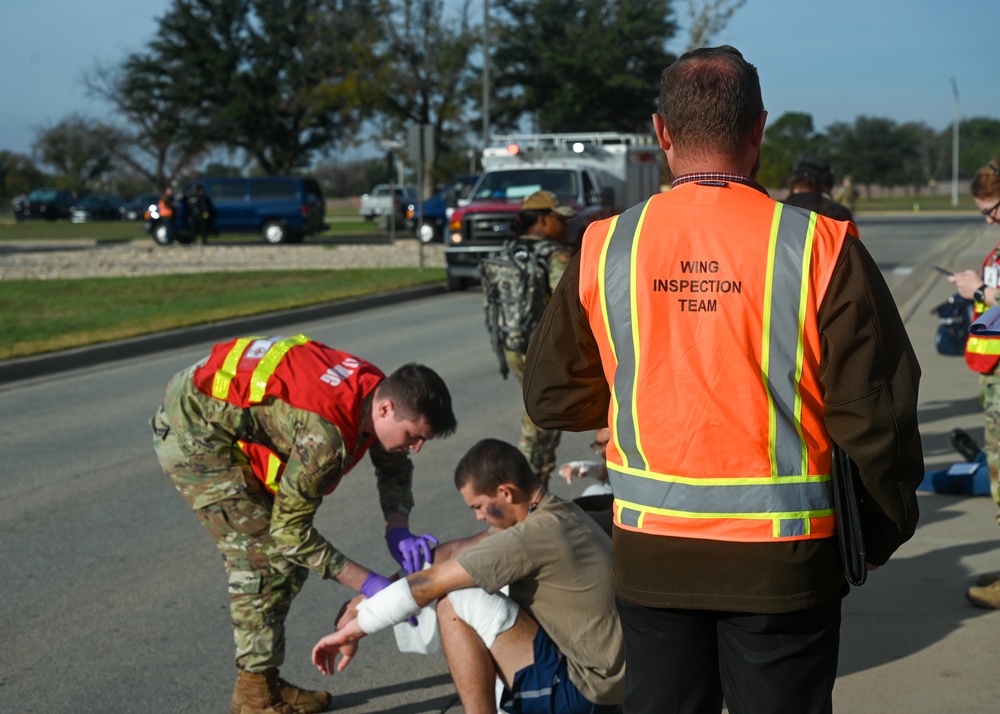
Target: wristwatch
[(980, 294)]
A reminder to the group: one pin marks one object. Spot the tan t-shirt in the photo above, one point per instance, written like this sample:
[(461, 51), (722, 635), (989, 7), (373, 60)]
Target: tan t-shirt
[(557, 563)]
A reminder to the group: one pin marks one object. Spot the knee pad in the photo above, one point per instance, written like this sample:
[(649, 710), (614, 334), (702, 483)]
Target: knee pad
[(489, 615)]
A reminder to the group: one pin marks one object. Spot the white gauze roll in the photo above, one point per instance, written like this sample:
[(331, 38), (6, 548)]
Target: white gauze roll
[(387, 607)]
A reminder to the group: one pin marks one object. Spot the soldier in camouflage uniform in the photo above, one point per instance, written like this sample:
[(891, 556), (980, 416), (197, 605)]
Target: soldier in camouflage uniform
[(541, 216), (982, 354), (263, 528)]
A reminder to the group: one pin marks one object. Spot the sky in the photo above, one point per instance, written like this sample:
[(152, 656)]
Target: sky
[(833, 60)]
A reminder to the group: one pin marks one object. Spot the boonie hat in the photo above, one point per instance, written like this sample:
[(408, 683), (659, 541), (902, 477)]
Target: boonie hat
[(546, 201)]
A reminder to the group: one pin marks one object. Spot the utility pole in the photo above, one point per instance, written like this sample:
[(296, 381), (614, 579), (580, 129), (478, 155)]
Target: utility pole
[(954, 146), (486, 73)]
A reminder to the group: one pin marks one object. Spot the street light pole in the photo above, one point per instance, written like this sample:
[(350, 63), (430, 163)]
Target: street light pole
[(954, 146), (486, 73)]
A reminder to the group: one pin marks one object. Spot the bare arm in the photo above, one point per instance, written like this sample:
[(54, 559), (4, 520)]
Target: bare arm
[(452, 548), (425, 586)]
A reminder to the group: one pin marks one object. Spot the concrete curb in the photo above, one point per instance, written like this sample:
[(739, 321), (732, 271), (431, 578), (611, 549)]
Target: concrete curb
[(54, 362)]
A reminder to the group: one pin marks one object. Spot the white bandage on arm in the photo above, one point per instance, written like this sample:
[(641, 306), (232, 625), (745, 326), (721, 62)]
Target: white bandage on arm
[(387, 607), (489, 615)]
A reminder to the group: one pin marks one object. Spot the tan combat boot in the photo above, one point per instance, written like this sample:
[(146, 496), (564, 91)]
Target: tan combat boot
[(987, 597), (304, 701), (259, 693)]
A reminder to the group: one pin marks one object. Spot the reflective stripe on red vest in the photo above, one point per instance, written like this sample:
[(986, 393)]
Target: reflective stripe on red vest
[(301, 372), (709, 440), (982, 353)]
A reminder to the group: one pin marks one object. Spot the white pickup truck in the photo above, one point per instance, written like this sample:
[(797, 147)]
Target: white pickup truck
[(381, 201)]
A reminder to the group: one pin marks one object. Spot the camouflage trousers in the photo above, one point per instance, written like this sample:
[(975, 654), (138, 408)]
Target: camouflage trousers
[(538, 445), (262, 583), (991, 433)]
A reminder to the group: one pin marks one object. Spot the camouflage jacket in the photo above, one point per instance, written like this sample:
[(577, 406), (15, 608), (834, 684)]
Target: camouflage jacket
[(314, 453)]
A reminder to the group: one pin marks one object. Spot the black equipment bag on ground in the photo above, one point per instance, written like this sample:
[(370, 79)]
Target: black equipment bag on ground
[(954, 317)]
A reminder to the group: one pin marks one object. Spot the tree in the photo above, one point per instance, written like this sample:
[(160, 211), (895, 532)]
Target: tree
[(425, 75), (874, 150), (580, 65), (280, 79), (18, 175), (978, 143), (78, 151), (790, 138), (707, 18), (158, 139)]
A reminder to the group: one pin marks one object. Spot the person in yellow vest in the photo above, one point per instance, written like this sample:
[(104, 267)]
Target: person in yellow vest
[(729, 342), (982, 354), (254, 436)]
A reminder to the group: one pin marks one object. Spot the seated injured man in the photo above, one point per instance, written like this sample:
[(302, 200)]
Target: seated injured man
[(555, 641)]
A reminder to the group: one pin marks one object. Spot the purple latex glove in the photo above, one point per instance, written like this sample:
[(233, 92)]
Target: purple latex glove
[(375, 582), (410, 551)]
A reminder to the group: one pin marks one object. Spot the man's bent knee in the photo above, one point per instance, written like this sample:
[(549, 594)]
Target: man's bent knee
[(489, 615)]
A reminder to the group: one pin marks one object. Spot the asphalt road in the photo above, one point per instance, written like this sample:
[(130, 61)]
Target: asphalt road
[(113, 600)]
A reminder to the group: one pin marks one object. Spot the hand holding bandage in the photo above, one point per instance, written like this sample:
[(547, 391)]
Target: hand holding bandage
[(579, 469), (388, 607)]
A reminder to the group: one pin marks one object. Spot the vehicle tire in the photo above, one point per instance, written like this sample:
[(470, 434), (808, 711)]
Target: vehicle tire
[(161, 234), (274, 232), (429, 232), (456, 283)]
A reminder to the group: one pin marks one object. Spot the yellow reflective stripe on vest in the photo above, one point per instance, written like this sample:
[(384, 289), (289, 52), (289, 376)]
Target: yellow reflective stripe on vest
[(224, 377), (273, 468), (983, 345), (791, 496), (616, 277), (268, 363)]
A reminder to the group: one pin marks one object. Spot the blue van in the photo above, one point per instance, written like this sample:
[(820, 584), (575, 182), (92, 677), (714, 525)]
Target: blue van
[(283, 209)]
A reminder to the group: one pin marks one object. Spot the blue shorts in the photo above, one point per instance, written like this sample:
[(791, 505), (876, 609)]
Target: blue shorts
[(544, 687)]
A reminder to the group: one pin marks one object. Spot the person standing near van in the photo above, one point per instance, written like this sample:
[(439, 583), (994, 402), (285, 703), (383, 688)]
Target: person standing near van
[(200, 214), (167, 208)]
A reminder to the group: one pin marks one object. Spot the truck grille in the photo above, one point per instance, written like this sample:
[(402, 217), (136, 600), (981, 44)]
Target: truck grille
[(488, 228)]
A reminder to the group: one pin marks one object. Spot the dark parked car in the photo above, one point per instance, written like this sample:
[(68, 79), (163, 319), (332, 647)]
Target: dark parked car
[(135, 210), (47, 203), (437, 210), (96, 207)]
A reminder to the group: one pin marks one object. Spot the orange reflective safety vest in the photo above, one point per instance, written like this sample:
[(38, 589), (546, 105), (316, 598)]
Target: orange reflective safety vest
[(164, 209), (304, 373), (982, 353), (706, 323)]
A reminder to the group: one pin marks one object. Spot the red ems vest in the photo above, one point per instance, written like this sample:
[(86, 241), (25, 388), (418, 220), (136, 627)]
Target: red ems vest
[(982, 353), (306, 374)]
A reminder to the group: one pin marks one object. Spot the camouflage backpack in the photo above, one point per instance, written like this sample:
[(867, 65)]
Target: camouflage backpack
[(516, 291)]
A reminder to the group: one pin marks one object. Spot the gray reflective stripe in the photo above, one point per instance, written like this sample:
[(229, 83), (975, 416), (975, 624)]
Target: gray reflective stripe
[(784, 339), (739, 498), (618, 305)]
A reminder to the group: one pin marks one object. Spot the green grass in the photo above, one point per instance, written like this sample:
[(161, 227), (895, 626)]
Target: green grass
[(341, 224), (45, 315), (938, 202), (64, 230)]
